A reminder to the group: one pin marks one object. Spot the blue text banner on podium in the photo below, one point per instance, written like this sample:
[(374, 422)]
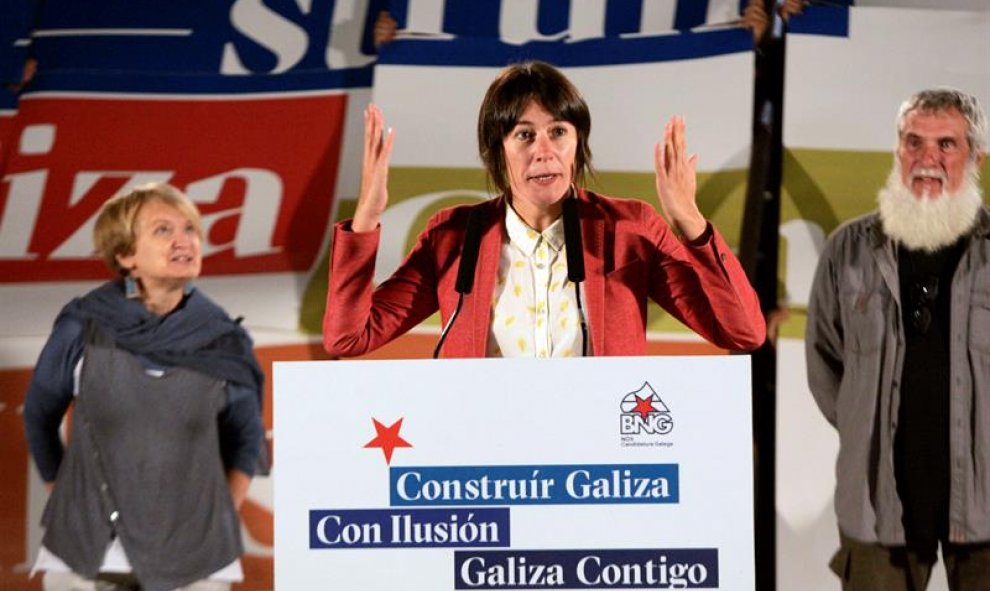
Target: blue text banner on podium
[(593, 473)]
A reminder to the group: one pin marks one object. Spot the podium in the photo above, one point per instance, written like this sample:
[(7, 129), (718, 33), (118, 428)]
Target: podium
[(590, 473)]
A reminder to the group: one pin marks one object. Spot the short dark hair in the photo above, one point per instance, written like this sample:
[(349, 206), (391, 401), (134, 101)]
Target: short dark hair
[(507, 98)]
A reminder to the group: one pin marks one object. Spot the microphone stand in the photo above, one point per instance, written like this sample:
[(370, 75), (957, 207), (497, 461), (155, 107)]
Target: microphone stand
[(575, 259)]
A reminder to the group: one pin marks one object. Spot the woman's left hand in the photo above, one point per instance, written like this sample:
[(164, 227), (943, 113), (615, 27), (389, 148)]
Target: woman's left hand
[(677, 182)]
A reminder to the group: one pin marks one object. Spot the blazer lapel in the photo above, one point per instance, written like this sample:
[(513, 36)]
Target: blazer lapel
[(593, 236), (481, 295)]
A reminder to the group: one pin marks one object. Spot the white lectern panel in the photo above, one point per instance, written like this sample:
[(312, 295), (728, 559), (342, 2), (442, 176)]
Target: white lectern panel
[(593, 473)]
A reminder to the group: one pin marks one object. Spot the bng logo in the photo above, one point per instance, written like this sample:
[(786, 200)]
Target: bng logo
[(643, 413)]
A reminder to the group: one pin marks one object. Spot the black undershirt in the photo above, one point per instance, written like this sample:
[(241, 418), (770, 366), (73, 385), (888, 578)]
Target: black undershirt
[(921, 442)]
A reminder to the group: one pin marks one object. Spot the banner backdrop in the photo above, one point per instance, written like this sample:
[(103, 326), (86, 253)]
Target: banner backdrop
[(254, 108)]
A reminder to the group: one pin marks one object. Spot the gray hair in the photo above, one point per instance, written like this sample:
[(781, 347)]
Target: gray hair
[(939, 100)]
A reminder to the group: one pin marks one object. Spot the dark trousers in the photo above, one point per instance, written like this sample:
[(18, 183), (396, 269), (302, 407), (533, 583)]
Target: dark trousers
[(872, 567)]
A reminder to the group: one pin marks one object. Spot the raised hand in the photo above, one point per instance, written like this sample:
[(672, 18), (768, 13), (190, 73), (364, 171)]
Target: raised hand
[(676, 180), (755, 17), (374, 171)]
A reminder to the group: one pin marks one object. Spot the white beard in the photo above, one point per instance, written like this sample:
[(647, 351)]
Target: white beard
[(928, 223)]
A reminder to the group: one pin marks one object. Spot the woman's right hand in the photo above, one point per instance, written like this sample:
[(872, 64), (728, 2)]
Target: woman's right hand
[(374, 171)]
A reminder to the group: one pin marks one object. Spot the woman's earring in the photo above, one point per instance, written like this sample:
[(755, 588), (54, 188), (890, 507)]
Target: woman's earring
[(131, 290)]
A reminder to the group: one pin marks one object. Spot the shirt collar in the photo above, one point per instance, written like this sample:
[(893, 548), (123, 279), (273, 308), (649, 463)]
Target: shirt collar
[(527, 239)]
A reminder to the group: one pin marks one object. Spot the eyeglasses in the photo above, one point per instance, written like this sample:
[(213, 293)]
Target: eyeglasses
[(923, 294)]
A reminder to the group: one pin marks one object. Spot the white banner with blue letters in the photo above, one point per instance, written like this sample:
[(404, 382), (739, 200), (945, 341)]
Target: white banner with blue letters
[(594, 473)]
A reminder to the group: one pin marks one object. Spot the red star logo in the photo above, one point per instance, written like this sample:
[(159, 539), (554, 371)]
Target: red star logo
[(387, 438), (644, 407)]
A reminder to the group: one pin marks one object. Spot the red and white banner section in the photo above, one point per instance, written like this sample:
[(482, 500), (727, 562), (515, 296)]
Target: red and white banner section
[(594, 473), (262, 171)]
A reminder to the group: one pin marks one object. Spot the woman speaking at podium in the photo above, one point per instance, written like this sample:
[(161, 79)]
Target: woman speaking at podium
[(547, 268)]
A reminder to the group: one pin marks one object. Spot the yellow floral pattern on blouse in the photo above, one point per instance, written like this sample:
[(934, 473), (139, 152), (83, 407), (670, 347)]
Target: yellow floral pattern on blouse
[(534, 310)]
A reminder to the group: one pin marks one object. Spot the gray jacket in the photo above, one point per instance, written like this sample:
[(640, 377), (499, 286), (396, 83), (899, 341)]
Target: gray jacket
[(144, 464), (855, 354)]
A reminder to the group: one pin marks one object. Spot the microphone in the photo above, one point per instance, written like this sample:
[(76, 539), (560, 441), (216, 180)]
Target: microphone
[(575, 260), (573, 241), (465, 270)]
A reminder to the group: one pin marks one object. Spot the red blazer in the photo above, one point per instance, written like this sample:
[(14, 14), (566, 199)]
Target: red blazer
[(630, 254)]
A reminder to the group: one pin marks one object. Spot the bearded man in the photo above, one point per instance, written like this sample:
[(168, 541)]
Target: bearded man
[(898, 358)]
